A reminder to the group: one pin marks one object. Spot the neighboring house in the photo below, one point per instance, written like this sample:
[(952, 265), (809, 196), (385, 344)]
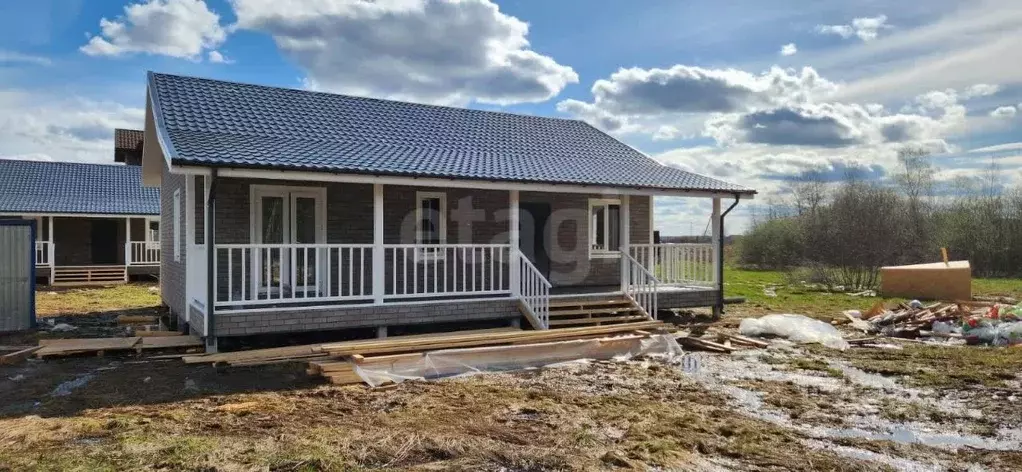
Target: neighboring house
[(95, 223), (319, 212)]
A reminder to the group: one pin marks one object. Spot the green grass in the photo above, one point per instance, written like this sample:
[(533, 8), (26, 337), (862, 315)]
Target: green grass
[(796, 299)]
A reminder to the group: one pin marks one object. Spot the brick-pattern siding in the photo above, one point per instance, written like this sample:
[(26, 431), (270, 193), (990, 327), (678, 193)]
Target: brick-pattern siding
[(172, 274), (243, 324), (686, 299), (570, 263)]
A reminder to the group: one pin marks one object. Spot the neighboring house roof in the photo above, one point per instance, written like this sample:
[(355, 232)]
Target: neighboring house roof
[(128, 139), (73, 187), (225, 124), (128, 145)]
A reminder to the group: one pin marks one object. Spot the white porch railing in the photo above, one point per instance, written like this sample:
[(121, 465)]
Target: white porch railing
[(642, 286), (43, 253), (677, 264), (534, 291), (143, 252), (273, 274), (428, 270)]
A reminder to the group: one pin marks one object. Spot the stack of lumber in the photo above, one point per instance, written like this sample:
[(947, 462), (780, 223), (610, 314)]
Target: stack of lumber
[(519, 348), (414, 343)]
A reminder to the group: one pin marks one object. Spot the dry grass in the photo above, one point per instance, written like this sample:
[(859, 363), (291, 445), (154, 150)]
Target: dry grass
[(604, 415), (59, 301)]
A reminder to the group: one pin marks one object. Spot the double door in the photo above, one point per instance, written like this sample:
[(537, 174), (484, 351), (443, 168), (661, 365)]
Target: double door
[(289, 227)]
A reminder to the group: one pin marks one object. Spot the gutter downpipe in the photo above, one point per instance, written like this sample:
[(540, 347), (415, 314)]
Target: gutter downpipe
[(211, 344), (720, 257)]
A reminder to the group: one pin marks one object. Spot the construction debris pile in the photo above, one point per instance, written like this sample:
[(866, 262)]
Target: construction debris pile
[(973, 322)]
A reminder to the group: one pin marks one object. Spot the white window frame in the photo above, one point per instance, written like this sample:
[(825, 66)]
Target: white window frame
[(590, 227), (175, 225), (288, 193), (423, 254), (149, 233)]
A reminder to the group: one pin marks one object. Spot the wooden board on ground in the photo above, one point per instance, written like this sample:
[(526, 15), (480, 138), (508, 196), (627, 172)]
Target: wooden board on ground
[(19, 355), (167, 342), (64, 347), (157, 333)]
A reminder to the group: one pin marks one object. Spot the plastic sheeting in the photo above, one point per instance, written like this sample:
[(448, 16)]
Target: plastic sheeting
[(797, 328), (456, 362)]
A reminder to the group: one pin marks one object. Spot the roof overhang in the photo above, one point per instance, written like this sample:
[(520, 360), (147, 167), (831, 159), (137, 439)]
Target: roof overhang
[(326, 176), (79, 215)]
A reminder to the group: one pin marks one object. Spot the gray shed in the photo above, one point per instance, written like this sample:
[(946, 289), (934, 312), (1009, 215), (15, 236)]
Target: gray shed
[(17, 275)]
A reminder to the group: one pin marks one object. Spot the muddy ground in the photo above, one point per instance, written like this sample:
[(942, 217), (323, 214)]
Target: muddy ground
[(787, 407)]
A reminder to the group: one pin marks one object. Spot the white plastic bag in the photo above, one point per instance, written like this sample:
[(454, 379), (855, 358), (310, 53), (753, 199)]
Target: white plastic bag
[(797, 328)]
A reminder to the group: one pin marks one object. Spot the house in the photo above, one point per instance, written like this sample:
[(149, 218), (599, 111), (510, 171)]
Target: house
[(288, 210), (95, 223)]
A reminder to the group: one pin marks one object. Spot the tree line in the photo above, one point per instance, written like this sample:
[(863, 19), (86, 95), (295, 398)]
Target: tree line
[(841, 233)]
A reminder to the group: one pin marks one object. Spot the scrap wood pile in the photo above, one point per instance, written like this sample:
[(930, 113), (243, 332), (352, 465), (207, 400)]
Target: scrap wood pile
[(973, 321), (336, 362)]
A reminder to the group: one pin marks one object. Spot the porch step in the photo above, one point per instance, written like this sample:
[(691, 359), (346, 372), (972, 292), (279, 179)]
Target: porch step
[(594, 312), (89, 275)]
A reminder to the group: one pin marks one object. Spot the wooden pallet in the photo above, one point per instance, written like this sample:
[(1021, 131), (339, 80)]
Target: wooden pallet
[(89, 275)]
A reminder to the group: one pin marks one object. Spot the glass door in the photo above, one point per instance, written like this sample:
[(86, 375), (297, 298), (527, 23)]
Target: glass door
[(286, 225)]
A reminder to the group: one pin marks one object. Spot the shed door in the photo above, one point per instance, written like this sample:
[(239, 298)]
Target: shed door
[(17, 276)]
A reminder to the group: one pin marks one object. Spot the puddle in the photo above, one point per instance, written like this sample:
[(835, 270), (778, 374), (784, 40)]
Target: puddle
[(66, 388), (861, 419)]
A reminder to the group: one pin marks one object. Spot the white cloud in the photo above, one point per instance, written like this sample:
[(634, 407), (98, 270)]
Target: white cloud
[(176, 28), (440, 51), (46, 126), (980, 90), (11, 57), (216, 57), (1004, 112), (866, 29), (963, 46), (789, 49)]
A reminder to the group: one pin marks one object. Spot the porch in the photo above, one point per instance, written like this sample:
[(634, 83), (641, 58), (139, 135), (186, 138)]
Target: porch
[(85, 249), (295, 256)]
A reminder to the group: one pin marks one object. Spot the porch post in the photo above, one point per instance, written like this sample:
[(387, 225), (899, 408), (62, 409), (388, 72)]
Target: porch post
[(379, 255), (189, 245), (127, 244), (624, 241), (715, 241), (52, 252), (513, 232), (209, 229)]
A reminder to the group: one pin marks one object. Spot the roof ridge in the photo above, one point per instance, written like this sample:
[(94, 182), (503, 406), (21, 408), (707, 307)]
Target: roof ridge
[(74, 163), (361, 97)]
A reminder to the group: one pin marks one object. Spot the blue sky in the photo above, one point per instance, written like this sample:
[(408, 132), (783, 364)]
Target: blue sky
[(748, 91)]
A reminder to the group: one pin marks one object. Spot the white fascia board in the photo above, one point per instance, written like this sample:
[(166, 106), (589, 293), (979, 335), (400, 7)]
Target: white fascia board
[(447, 183)]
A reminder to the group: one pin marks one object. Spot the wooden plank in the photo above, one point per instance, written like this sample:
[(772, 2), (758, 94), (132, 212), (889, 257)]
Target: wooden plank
[(165, 342), (18, 356), (594, 320), (60, 347), (395, 346), (313, 349), (593, 311), (597, 302), (159, 334)]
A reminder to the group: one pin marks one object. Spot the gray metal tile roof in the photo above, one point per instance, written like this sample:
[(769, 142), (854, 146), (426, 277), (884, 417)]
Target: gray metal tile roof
[(73, 187), (215, 123)]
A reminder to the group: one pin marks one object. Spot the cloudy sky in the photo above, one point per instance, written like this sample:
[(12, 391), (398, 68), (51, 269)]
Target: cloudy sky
[(729, 88)]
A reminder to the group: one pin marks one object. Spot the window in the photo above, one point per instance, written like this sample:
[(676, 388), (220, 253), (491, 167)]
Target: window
[(604, 228), (153, 230), (176, 226), (431, 221)]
